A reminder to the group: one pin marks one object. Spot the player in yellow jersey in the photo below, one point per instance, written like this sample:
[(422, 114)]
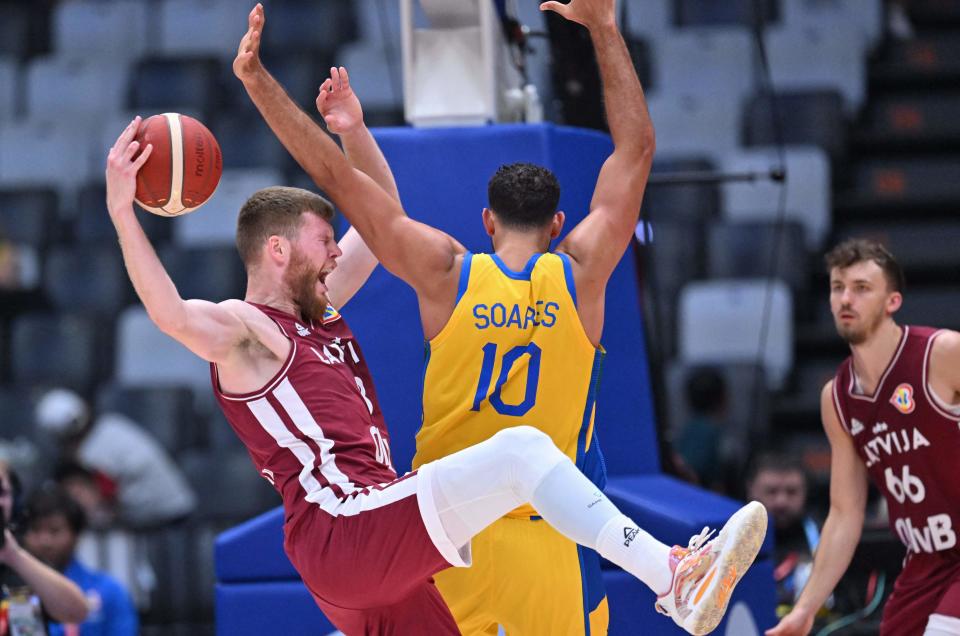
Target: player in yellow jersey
[(514, 339)]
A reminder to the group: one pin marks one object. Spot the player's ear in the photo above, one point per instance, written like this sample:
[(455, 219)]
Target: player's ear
[(894, 302), (278, 249), (556, 225), (489, 221)]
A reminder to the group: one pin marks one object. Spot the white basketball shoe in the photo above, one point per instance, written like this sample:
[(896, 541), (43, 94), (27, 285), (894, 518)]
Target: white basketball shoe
[(706, 571)]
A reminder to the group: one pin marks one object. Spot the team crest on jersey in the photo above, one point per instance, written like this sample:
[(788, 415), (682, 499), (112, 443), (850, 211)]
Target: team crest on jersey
[(903, 400), (330, 315)]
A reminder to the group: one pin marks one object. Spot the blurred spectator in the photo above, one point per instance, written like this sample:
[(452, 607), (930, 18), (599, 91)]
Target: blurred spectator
[(779, 482), (117, 551), (699, 440), (899, 25), (19, 279), (24, 580), (131, 465), (53, 522)]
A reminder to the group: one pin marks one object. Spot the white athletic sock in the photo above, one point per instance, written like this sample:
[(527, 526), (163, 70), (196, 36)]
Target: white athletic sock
[(623, 542), (569, 502)]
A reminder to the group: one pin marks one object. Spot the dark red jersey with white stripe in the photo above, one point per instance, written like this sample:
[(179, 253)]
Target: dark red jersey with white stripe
[(910, 442), (315, 431)]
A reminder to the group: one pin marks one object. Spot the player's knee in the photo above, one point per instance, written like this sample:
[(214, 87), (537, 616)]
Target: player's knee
[(525, 439), (531, 453)]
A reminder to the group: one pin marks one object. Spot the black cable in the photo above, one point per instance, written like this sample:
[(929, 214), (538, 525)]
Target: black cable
[(780, 219)]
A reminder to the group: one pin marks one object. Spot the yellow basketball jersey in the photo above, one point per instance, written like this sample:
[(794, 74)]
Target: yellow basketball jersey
[(513, 352)]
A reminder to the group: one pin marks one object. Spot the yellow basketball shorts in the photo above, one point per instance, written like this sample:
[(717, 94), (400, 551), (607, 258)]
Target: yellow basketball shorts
[(530, 579)]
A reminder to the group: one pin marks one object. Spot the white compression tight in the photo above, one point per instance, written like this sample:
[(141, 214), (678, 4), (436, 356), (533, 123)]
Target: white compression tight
[(941, 625), (478, 485)]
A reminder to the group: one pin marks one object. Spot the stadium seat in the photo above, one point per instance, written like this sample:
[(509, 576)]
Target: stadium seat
[(908, 181), (15, 31), (723, 322), (28, 216), (166, 413), (378, 21), (221, 276), (43, 153), (248, 143), (694, 203), (176, 84), (731, 12), (227, 486), (811, 118), (756, 249), (179, 590), (922, 306), (694, 124), (375, 75), (649, 19), (9, 88), (819, 58), (864, 17), (921, 246), (711, 62), (81, 90), (216, 222), (91, 29), (808, 197), (316, 28), (92, 224), (200, 27), (16, 413), (88, 278), (66, 349), (146, 356)]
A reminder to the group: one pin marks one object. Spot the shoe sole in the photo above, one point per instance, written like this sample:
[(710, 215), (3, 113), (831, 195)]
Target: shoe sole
[(746, 530)]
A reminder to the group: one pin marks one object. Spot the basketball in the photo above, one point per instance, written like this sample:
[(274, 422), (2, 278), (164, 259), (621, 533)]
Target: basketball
[(184, 169)]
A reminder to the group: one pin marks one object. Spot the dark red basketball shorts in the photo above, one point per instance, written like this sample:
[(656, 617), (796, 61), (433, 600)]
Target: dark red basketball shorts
[(929, 584), (370, 564)]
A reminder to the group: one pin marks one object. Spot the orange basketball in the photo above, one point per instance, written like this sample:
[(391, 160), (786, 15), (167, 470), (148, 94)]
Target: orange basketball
[(184, 169)]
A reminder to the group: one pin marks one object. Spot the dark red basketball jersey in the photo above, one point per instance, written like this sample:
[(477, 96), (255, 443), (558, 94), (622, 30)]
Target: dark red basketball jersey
[(315, 431), (910, 442)]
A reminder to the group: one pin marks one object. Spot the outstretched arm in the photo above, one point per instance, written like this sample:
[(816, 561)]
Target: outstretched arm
[(341, 111), (599, 241), (421, 255), (59, 595), (841, 531), (209, 330)]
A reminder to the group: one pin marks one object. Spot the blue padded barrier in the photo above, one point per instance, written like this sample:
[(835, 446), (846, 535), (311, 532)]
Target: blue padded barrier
[(278, 607)]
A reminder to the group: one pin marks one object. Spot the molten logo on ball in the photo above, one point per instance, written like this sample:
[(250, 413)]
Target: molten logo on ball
[(184, 169)]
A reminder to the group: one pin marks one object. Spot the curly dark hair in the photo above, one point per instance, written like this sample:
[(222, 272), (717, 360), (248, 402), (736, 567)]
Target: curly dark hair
[(523, 195), (858, 250)]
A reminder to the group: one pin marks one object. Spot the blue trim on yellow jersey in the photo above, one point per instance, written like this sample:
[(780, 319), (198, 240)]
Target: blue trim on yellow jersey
[(423, 377), (591, 582), (521, 275), (584, 592), (464, 276), (568, 275), (588, 407)]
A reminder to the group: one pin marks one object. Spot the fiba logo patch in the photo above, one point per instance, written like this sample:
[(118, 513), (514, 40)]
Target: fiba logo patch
[(902, 399)]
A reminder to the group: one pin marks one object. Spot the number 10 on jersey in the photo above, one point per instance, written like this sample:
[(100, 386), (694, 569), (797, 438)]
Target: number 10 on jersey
[(506, 364)]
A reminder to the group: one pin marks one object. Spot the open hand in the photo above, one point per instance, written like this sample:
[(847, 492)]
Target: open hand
[(123, 163), (338, 104), (793, 624), (589, 13), (247, 63)]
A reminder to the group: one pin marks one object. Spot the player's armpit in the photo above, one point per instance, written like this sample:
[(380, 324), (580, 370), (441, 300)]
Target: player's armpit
[(210, 330)]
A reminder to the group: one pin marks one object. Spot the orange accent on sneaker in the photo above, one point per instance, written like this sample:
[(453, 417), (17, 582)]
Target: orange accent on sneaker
[(704, 585), (726, 586)]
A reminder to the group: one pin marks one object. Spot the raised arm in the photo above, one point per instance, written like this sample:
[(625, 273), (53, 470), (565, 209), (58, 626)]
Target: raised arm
[(210, 330), (343, 115), (841, 532), (598, 242), (423, 256), (59, 595)]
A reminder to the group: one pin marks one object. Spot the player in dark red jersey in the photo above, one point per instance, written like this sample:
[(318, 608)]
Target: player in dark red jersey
[(294, 385), (892, 414)]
